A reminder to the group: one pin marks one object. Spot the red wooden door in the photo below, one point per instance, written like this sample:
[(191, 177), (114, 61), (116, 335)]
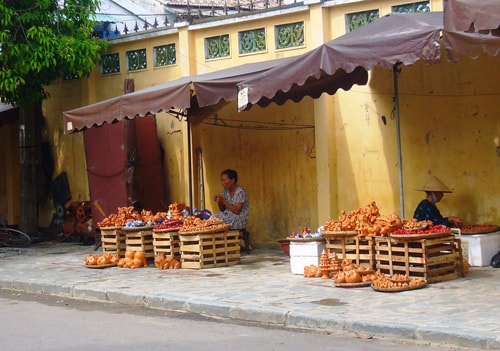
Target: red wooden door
[(124, 166), (105, 151)]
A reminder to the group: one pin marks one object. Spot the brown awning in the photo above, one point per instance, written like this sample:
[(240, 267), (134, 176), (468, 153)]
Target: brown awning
[(340, 63), (141, 103), (192, 92), (471, 27), (206, 89), (404, 38)]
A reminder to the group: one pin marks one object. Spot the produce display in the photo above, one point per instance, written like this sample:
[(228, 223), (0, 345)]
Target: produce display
[(305, 233), (479, 228), (415, 224), (177, 210), (340, 271), (133, 259), (366, 221), (383, 225), (312, 271), (138, 223), (194, 224), (130, 215), (169, 224), (358, 226), (346, 274), (136, 231), (352, 274), (99, 260), (397, 281), (162, 262), (431, 229)]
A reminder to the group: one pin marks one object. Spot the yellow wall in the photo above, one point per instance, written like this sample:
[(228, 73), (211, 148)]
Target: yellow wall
[(454, 128), (198, 35), (449, 128), (68, 150), (171, 133), (337, 13), (273, 151), (302, 177)]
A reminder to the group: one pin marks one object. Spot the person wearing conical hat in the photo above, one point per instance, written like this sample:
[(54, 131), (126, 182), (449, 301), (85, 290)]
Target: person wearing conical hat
[(427, 210)]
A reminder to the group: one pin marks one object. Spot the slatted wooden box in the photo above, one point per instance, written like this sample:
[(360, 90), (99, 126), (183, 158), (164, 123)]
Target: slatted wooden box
[(462, 257), (168, 242), (359, 249), (209, 250), (113, 241), (434, 259), (140, 239)]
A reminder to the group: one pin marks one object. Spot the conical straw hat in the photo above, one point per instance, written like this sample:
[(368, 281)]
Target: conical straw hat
[(434, 184)]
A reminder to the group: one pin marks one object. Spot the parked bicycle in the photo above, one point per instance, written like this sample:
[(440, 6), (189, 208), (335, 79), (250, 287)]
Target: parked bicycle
[(10, 237)]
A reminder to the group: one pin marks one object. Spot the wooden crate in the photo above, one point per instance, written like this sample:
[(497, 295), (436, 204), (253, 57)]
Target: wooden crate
[(167, 242), (435, 260), (359, 249), (462, 257), (138, 239), (113, 241), (209, 250)]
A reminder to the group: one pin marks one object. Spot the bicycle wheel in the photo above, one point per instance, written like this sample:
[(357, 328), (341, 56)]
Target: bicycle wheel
[(13, 238)]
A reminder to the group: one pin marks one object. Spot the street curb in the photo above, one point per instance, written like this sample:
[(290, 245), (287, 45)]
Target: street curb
[(262, 315)]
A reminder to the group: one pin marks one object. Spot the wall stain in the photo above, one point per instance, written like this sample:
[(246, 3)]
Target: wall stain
[(427, 137)]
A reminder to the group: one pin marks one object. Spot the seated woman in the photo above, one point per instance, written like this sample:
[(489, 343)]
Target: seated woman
[(427, 210), (233, 204)]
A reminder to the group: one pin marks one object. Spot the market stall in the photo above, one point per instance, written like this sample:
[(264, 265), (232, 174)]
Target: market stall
[(362, 248), (170, 240), (366, 248)]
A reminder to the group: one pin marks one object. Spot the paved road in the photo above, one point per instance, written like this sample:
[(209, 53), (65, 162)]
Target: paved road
[(262, 289), (51, 323)]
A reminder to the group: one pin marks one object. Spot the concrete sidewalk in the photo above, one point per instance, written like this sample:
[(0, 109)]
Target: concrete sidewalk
[(261, 289)]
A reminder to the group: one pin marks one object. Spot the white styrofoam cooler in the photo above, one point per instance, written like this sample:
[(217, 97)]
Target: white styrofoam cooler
[(303, 254), (481, 248), (307, 248)]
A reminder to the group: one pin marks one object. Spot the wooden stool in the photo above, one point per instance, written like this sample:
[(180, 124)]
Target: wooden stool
[(245, 235)]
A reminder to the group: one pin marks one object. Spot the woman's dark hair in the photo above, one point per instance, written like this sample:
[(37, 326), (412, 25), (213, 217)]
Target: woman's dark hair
[(231, 174)]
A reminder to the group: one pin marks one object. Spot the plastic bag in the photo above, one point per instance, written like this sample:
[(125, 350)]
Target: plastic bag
[(205, 214), (495, 261)]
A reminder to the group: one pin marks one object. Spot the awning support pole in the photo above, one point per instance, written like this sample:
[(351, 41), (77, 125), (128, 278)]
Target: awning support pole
[(201, 179), (190, 165), (396, 70)]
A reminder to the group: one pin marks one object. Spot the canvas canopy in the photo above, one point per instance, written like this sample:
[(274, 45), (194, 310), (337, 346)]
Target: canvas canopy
[(190, 93), (471, 27), (404, 38), (468, 27)]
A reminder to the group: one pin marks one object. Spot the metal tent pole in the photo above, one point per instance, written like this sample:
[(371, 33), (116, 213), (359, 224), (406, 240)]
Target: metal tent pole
[(190, 166), (396, 70), (201, 179)]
